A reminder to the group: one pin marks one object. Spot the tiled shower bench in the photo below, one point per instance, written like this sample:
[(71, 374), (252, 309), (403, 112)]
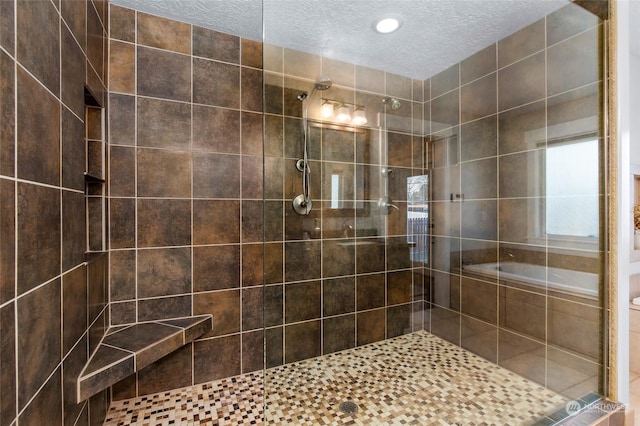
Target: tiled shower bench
[(129, 348)]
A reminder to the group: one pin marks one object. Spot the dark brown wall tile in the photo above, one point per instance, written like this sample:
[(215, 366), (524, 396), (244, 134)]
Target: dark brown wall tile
[(252, 132), (39, 338), (95, 42), (7, 240), (122, 120), (163, 223), (122, 222), (8, 362), (74, 232), (216, 358), (514, 226), (74, 307), (251, 53), (97, 287), (122, 312), (337, 259), (216, 175), (479, 299), (521, 44), (48, 400), (568, 21), (164, 33), (163, 74), (370, 291), (73, 151), (163, 124), (478, 65), (73, 69), (398, 85), (445, 111), (122, 24), (167, 373), (516, 123), (252, 308), (273, 262), (519, 171), (252, 351), (38, 216), (369, 79), (371, 326), (7, 111), (273, 303), (574, 62), (216, 221), (217, 129), (251, 83), (480, 219), (216, 45), (252, 177), (39, 131), (252, 229), (215, 83), (216, 267), (399, 285), (164, 307), (302, 301), (122, 171), (446, 324), (7, 26), (479, 139), (302, 260), (252, 264), (399, 146), (303, 341), (522, 312), (445, 81), (338, 296), (338, 333), (273, 347), (163, 173), (399, 320), (273, 218), (71, 368), (224, 306), (123, 275), (122, 65), (39, 51), (480, 338), (522, 82), (98, 406), (479, 179), (162, 272), (478, 99), (370, 258)]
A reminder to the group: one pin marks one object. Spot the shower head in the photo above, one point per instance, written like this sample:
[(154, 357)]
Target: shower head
[(323, 83), (302, 96), (392, 102)]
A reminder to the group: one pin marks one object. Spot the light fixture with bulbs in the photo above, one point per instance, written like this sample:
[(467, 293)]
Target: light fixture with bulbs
[(343, 112)]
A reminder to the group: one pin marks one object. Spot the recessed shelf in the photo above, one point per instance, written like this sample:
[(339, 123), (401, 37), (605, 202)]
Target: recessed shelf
[(92, 179)]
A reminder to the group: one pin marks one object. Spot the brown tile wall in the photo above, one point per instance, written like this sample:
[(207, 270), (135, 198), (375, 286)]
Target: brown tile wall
[(186, 193), (52, 303), (546, 74)]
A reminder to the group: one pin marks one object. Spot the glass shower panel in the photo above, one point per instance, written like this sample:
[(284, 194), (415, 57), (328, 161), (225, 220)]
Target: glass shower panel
[(465, 205)]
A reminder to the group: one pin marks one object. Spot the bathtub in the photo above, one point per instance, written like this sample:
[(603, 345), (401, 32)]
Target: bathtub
[(576, 283)]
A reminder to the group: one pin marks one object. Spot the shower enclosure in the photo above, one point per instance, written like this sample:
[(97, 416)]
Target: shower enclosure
[(467, 204)]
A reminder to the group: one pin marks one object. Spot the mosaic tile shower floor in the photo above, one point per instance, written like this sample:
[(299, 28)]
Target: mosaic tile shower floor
[(413, 379)]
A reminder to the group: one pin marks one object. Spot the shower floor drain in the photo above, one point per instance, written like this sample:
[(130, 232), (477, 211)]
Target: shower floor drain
[(348, 407)]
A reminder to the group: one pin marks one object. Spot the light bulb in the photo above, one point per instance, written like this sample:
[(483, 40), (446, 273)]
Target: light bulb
[(359, 117), (387, 25), (343, 115), (326, 110)]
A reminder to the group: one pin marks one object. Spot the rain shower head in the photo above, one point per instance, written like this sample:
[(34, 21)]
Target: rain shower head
[(392, 102)]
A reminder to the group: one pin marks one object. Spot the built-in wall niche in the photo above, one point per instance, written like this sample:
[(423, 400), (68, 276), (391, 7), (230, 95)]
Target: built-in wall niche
[(95, 196)]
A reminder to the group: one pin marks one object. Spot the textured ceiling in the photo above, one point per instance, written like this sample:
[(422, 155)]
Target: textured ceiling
[(434, 35)]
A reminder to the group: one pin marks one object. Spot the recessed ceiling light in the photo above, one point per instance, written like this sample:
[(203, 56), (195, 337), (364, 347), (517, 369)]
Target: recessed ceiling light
[(387, 25)]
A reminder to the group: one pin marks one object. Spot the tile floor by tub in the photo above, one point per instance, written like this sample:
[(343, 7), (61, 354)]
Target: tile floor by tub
[(413, 379)]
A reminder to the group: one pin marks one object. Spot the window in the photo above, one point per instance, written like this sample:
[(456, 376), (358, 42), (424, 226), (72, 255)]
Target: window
[(571, 189)]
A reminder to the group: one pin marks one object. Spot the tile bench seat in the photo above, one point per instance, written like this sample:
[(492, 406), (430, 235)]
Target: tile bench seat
[(129, 348)]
